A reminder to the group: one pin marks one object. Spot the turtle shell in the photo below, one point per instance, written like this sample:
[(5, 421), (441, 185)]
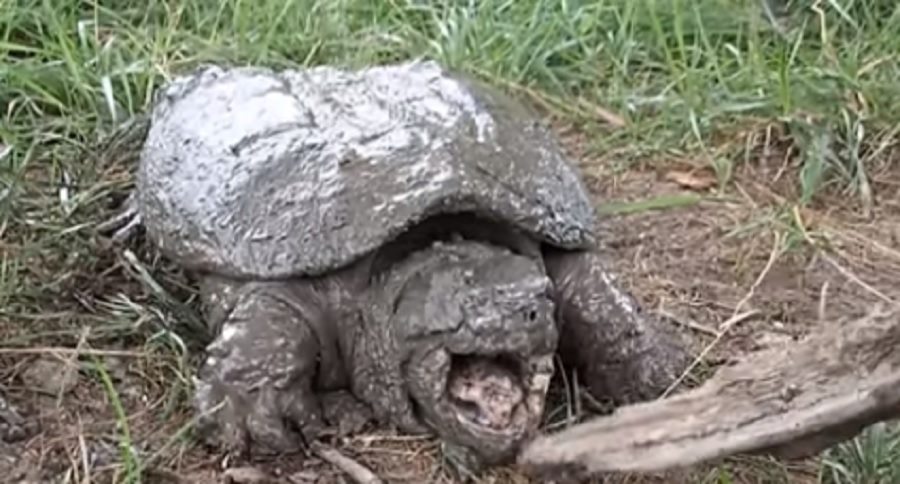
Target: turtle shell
[(251, 172)]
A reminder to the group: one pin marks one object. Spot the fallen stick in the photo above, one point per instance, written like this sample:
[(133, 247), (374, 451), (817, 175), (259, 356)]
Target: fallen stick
[(355, 470), (788, 402)]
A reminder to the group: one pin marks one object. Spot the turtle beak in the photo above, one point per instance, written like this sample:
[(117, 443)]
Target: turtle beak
[(498, 395), (488, 404)]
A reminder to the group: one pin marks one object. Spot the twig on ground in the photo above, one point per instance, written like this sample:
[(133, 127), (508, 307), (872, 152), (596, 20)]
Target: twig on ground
[(355, 470), (845, 272), (688, 323), (70, 368), (853, 278), (73, 351), (856, 236), (369, 439), (773, 256), (83, 451), (733, 320), (823, 297), (727, 325)]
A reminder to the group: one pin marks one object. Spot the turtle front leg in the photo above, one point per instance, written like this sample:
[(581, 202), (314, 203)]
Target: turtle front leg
[(619, 352), (255, 390)]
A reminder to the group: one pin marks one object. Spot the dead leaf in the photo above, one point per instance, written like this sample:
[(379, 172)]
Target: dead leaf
[(698, 180)]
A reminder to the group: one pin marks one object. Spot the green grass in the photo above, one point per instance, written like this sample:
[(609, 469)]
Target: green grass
[(130, 458), (689, 79), (873, 457)]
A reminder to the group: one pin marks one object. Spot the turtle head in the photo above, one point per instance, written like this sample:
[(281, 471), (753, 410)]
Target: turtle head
[(479, 334)]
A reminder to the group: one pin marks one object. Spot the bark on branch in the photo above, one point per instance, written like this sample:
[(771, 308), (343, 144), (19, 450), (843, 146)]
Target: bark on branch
[(787, 402)]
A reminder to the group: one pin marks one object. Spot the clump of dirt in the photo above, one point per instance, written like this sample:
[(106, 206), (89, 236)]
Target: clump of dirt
[(737, 259)]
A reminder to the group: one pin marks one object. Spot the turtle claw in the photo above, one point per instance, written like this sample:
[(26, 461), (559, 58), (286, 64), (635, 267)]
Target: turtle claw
[(263, 421), (125, 223), (267, 424), (269, 419)]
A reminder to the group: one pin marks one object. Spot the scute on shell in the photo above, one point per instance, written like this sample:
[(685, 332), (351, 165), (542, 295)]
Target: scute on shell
[(252, 172)]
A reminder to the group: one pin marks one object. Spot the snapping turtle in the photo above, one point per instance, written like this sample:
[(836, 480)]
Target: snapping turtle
[(398, 243)]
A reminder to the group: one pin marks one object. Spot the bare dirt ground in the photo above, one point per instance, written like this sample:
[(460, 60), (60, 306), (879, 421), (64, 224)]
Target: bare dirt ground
[(735, 273)]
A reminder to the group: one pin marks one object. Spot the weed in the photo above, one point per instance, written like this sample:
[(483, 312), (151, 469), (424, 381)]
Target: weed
[(130, 458), (871, 458)]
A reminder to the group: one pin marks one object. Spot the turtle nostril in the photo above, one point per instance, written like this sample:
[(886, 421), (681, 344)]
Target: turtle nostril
[(532, 315)]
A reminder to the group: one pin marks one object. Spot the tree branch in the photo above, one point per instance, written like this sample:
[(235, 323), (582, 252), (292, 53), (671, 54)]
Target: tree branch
[(788, 402)]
